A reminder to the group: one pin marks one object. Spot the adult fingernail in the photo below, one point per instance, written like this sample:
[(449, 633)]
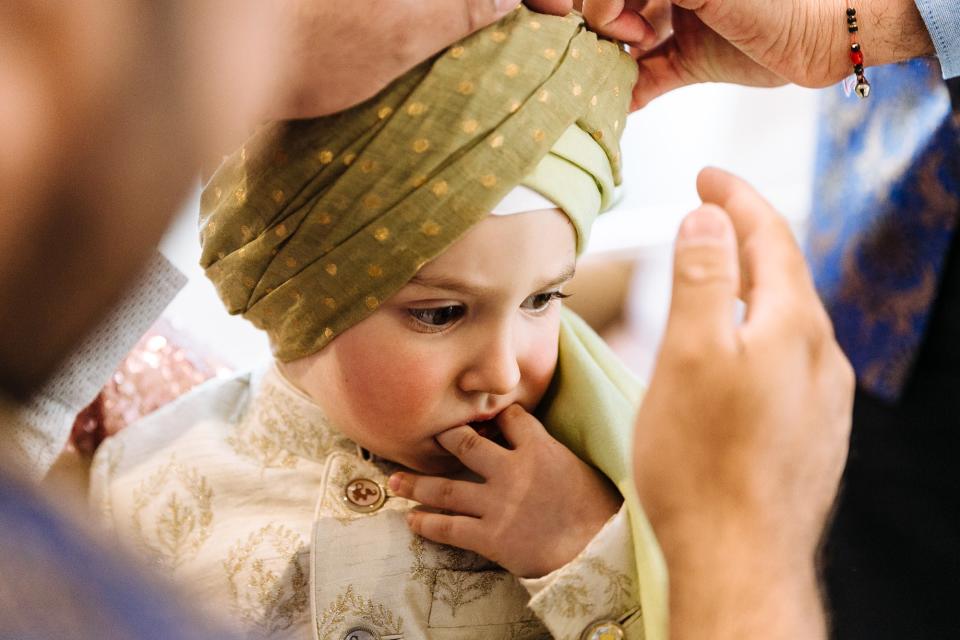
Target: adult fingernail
[(706, 223)]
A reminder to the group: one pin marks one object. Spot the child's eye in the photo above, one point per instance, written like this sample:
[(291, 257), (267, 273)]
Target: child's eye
[(437, 318), (540, 301)]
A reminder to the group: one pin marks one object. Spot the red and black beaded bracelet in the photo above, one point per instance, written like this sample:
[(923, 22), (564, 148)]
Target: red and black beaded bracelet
[(856, 53)]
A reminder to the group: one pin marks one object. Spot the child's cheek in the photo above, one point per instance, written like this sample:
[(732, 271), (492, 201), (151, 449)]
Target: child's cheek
[(389, 385)]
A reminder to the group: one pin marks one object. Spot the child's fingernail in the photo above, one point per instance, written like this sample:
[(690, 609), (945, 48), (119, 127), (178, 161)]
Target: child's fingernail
[(393, 482), (410, 517)]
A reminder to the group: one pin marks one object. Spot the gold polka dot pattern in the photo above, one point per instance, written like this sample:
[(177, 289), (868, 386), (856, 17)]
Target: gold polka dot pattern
[(313, 223)]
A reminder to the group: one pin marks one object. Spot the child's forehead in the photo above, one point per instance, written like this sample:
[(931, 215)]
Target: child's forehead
[(521, 248)]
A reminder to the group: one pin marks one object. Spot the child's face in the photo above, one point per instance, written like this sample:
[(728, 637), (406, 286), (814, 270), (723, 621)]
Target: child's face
[(474, 332)]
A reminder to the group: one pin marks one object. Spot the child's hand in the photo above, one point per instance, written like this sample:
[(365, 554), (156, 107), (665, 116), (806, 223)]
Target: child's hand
[(539, 507)]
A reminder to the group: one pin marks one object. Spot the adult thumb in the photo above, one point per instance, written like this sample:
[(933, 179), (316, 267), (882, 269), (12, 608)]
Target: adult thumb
[(706, 279)]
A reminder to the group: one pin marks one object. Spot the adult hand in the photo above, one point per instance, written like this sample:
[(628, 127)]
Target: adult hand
[(764, 43), (538, 475), (742, 436), (643, 24), (338, 53)]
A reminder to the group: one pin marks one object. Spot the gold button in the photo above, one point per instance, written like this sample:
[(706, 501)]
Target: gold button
[(363, 495), (361, 633), (604, 630)]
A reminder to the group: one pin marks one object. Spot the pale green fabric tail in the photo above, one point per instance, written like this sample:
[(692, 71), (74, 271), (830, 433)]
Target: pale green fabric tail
[(590, 408)]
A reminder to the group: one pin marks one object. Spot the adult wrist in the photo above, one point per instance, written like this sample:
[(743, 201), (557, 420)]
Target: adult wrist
[(733, 582), (890, 31)]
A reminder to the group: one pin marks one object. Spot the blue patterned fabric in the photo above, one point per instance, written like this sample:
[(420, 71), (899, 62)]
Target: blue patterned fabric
[(885, 206)]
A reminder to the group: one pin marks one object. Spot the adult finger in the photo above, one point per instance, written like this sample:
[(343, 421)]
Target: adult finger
[(657, 74), (705, 280), (659, 15), (772, 264), (620, 19), (457, 531), (518, 426), (477, 453), (465, 498), (554, 7)]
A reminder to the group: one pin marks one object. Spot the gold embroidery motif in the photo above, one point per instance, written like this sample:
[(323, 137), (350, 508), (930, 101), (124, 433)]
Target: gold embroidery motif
[(568, 597), (267, 579), (183, 520), (617, 586), (274, 432), (528, 630), (461, 578), (383, 620)]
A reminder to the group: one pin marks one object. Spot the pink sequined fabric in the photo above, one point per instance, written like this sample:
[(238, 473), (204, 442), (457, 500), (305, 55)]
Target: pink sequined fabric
[(162, 366)]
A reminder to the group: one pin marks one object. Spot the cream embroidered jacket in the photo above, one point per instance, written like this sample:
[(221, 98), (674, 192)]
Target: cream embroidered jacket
[(238, 491)]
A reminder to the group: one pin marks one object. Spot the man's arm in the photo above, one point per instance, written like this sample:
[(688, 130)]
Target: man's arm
[(742, 436)]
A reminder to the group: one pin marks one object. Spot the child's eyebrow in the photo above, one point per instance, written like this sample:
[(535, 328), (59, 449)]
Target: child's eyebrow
[(452, 284)]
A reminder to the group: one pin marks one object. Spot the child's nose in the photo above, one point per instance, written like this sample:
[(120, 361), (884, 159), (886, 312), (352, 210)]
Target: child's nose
[(494, 367)]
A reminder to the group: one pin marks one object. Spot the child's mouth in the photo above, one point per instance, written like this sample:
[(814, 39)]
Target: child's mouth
[(489, 430)]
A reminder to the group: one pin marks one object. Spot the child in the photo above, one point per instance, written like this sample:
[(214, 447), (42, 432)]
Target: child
[(399, 311)]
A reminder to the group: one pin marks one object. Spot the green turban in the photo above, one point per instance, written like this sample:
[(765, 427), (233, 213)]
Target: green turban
[(313, 223)]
